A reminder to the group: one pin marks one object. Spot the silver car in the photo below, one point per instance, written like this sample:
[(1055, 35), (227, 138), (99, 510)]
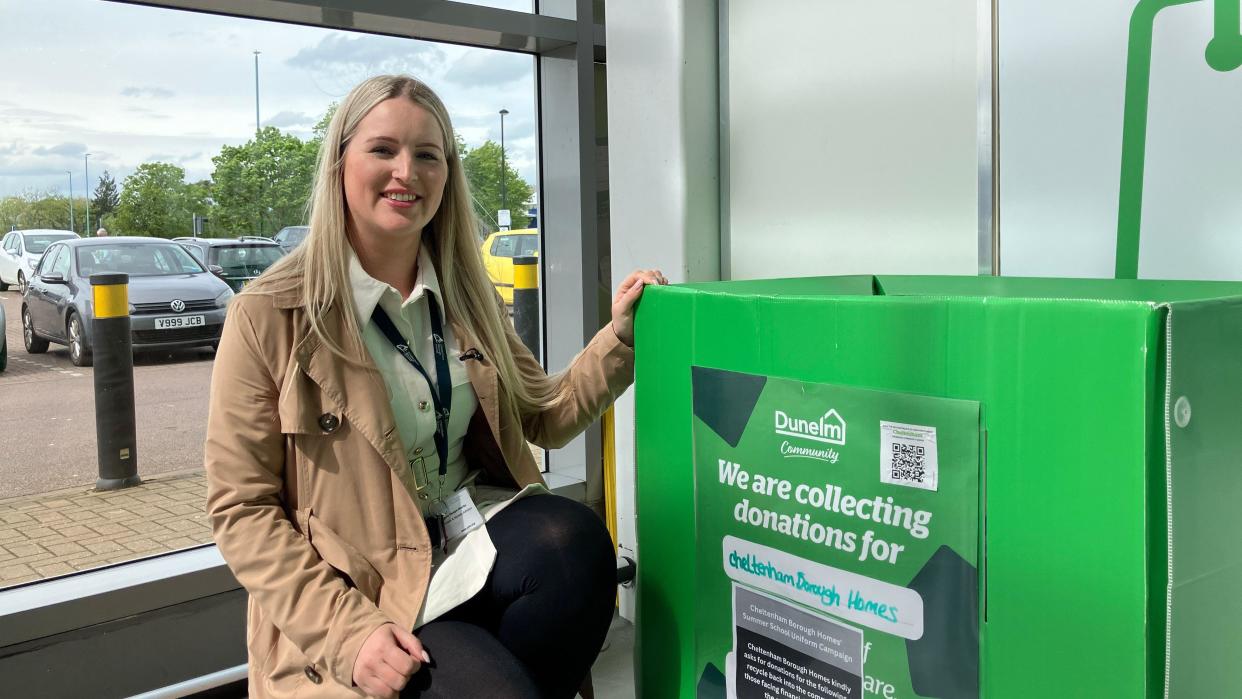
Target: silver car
[(290, 237), (174, 301)]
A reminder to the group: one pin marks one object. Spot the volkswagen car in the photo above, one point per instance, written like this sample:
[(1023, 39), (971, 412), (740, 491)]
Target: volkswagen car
[(238, 260), (20, 252), (174, 301)]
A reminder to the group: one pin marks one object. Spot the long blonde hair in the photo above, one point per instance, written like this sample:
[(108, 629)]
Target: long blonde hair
[(320, 265)]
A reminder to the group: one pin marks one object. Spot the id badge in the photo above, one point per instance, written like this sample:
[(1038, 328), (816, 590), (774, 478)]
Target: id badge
[(461, 516)]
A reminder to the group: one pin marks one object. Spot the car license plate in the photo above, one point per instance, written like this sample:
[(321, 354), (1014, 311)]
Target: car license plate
[(174, 322)]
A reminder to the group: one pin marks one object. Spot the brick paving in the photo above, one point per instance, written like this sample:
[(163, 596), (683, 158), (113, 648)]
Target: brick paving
[(63, 531), (50, 534)]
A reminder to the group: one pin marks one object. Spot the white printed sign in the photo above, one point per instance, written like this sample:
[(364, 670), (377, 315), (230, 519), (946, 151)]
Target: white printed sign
[(908, 455), (862, 600)]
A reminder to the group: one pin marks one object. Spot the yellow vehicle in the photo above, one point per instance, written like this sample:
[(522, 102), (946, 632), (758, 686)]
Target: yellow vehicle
[(498, 252)]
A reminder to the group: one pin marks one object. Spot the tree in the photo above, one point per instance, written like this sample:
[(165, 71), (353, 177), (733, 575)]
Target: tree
[(156, 201), (37, 209), (262, 185), (107, 197), (482, 166), (11, 209), (321, 127)]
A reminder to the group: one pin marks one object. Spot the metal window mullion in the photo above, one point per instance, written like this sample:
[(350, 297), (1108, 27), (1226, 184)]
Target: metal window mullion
[(442, 21), (988, 125), (570, 254)]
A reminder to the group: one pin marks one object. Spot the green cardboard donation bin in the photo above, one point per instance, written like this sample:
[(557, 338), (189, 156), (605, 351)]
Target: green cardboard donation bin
[(948, 487)]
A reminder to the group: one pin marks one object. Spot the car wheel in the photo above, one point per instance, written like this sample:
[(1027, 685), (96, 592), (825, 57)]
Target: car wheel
[(78, 354), (21, 283), (3, 285), (34, 343), (4, 356)]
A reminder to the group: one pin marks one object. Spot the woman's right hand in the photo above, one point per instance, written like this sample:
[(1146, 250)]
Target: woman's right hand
[(387, 660)]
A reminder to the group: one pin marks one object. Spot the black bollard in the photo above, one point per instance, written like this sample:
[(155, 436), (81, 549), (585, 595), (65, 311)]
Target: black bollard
[(115, 433), (526, 301)]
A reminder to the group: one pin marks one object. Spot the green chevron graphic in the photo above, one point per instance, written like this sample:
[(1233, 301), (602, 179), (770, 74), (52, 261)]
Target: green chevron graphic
[(1223, 53)]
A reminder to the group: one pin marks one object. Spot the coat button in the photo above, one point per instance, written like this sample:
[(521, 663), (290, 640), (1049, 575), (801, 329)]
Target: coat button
[(312, 675), (418, 451), (423, 405), (329, 422)]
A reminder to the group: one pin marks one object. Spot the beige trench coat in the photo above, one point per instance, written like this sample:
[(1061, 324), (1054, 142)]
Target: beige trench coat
[(305, 493)]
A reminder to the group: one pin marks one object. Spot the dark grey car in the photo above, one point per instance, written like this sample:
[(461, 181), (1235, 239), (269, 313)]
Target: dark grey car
[(173, 300), (290, 237), (235, 260)]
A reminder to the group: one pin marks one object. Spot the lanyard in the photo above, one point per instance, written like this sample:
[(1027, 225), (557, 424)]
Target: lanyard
[(442, 398)]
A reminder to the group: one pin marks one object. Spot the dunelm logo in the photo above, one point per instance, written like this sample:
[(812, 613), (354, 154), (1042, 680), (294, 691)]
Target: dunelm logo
[(829, 429)]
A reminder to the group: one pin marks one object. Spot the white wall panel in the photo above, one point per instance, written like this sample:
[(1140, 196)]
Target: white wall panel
[(852, 137), (663, 171), (1062, 107)]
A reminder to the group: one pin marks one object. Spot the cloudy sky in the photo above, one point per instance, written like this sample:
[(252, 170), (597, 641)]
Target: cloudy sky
[(133, 84)]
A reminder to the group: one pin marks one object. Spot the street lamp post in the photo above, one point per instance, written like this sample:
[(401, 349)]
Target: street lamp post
[(256, 93), (86, 166), (504, 201), (72, 225)]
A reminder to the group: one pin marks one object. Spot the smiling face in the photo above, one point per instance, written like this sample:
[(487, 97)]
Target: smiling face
[(394, 172)]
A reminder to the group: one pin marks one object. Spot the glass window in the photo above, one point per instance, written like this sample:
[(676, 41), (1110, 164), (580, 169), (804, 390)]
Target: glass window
[(61, 264), (137, 259), (246, 261), (8, 242), (292, 235), (526, 245), (45, 264), (160, 156), (504, 246), (36, 244)]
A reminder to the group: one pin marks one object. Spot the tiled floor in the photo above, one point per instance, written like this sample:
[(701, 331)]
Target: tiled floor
[(613, 673)]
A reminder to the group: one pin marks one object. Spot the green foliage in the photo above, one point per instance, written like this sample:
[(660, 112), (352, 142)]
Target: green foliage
[(262, 185), (156, 201), (107, 197), (321, 127), (482, 166), (39, 209)]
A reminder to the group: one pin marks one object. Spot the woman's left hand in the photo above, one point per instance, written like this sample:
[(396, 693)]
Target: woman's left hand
[(627, 295)]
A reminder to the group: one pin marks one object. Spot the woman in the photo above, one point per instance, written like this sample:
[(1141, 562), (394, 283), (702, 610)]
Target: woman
[(370, 408)]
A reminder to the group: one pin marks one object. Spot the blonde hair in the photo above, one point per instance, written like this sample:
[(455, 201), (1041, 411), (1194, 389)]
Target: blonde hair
[(320, 265)]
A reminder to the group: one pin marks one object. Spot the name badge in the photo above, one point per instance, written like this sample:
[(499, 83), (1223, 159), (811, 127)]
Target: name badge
[(461, 516)]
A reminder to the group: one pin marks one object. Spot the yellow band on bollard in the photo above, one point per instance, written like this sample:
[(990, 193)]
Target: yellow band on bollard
[(526, 276), (111, 300)]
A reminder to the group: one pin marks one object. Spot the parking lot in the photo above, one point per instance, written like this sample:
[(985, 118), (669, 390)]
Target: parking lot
[(47, 414)]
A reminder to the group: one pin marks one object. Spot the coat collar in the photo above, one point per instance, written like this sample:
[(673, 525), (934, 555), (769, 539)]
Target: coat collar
[(369, 291), (358, 388)]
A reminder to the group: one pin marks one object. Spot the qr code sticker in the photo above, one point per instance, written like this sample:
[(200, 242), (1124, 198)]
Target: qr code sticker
[(908, 455), (907, 462)]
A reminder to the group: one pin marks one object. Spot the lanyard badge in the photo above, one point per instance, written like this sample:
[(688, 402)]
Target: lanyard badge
[(441, 397)]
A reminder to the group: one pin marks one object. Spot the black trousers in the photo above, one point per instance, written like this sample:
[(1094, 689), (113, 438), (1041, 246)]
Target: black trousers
[(538, 623)]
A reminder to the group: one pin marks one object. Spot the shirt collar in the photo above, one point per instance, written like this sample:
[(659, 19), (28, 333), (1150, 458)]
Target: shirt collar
[(368, 290)]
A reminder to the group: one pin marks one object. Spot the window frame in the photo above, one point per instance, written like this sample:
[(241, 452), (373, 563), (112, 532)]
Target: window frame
[(566, 44)]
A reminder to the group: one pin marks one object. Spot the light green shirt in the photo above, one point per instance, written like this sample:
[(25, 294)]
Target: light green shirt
[(459, 575), (408, 392)]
